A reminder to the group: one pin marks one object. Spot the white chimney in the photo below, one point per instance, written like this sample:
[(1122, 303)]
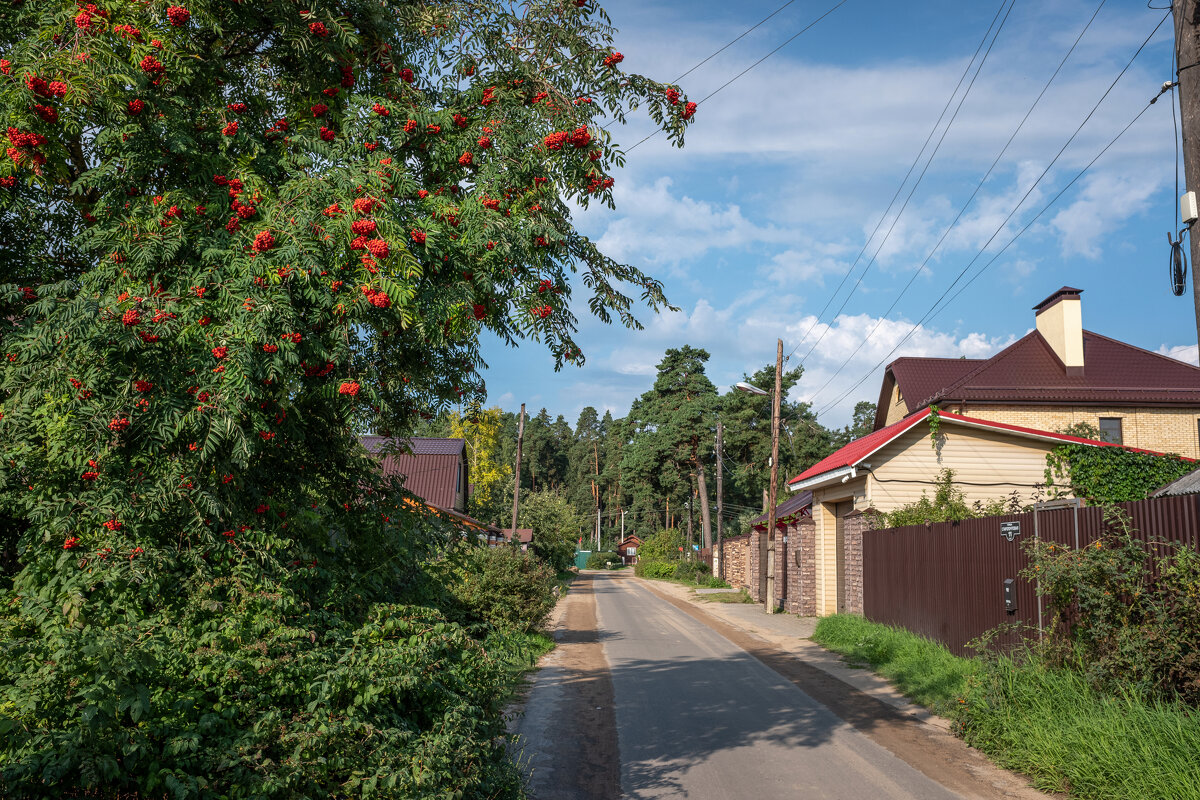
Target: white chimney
[(1059, 320)]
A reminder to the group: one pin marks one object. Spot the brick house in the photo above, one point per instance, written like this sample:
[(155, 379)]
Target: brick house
[(1055, 376), (893, 467)]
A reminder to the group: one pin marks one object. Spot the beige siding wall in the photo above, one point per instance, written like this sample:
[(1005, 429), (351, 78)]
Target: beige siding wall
[(824, 502), (1166, 430), (997, 463), (896, 410)]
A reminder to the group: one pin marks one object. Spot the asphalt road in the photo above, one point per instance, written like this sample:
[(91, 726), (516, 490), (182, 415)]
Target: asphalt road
[(699, 717), (648, 697)]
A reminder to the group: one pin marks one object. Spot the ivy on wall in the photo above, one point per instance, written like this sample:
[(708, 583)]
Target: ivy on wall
[(1110, 474)]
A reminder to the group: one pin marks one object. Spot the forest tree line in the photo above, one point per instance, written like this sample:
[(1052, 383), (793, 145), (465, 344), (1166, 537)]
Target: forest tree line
[(655, 467)]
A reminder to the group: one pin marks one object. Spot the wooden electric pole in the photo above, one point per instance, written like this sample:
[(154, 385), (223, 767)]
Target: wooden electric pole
[(1187, 55), (768, 541), (718, 563), (517, 470)]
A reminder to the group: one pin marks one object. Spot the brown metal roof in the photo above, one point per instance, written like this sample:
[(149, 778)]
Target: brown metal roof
[(793, 506), (525, 535), (431, 471), (1028, 371)]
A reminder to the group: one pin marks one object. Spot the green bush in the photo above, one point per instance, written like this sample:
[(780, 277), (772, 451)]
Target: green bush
[(714, 582), (601, 560), (1125, 611), (505, 588), (654, 569), (691, 571)]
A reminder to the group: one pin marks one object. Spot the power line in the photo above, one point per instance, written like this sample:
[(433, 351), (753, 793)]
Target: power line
[(709, 96), (934, 311), (907, 175), (963, 209)]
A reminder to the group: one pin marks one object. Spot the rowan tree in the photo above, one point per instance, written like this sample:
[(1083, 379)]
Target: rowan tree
[(234, 234)]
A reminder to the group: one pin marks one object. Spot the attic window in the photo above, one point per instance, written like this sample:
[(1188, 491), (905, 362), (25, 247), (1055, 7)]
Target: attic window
[(1110, 429)]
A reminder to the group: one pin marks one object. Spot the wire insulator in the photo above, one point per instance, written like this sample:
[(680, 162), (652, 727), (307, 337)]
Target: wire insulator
[(1178, 264)]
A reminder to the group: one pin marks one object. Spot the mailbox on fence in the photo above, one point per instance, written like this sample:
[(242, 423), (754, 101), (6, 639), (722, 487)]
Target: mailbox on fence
[(1010, 596)]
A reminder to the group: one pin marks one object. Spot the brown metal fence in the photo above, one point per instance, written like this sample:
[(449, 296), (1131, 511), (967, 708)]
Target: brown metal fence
[(947, 580)]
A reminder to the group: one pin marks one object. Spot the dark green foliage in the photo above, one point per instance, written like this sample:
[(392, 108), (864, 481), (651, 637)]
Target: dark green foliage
[(601, 560), (1125, 613), (504, 588), (654, 569), (693, 571), (862, 423), (1111, 474), (555, 524), (747, 441)]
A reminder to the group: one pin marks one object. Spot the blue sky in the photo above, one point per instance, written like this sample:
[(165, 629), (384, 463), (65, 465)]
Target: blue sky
[(787, 172)]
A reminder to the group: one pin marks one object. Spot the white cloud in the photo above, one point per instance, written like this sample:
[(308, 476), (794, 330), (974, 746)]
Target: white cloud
[(1188, 353)]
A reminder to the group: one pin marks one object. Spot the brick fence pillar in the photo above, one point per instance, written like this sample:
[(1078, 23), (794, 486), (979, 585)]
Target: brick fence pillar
[(805, 592), (856, 523), (752, 565)]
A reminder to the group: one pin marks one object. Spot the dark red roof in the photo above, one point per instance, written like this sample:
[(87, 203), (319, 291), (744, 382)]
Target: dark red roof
[(853, 453), (524, 535), (431, 470), (793, 506), (1028, 371)]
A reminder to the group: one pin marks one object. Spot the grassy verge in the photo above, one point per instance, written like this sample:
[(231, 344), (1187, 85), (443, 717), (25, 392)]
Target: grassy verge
[(923, 670), (1053, 726), (731, 596), (519, 653), (1049, 724)]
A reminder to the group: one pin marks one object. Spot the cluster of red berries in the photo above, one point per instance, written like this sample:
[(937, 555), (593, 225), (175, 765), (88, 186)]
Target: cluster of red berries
[(479, 310), (143, 386), (23, 139), (263, 242), (178, 15), (380, 110), (152, 66), (407, 76), (418, 236), (89, 475), (127, 32), (266, 436), (135, 106), (231, 129), (541, 312), (220, 352), (131, 317), (318, 29), (597, 185), (377, 298), (113, 525), (363, 226), (378, 248), (71, 542), (349, 387), (581, 138), (489, 96), (364, 205), (8, 181), (55, 90), (673, 96), (465, 159), (545, 286), (45, 113), (270, 348), (118, 424), (484, 143), (556, 140), (326, 134), (613, 59), (294, 338), (86, 15), (688, 111)]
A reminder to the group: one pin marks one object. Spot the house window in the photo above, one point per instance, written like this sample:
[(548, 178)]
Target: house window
[(1110, 429)]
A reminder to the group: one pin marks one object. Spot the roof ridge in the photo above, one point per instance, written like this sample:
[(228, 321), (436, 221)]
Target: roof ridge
[(996, 359)]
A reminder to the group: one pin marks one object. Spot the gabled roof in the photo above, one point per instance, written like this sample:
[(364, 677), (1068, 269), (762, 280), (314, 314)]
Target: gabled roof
[(1028, 371), (792, 507), (524, 535), (431, 470), (855, 453), (1188, 484)]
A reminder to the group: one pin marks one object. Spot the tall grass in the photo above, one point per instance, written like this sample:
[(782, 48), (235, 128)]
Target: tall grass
[(922, 669), (1053, 726), (1049, 724)]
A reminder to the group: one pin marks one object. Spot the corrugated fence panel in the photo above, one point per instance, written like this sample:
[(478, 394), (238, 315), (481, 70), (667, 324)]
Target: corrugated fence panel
[(946, 580)]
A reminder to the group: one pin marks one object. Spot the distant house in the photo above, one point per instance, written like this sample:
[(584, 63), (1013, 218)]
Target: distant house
[(1053, 377), (434, 469), (524, 537), (627, 549)]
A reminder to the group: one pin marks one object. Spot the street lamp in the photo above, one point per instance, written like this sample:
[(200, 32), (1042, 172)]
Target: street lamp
[(766, 549)]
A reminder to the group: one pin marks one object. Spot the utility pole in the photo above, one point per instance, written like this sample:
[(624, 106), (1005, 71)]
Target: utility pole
[(622, 524), (769, 544), (718, 563), (1187, 54), (517, 470), (597, 529)]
